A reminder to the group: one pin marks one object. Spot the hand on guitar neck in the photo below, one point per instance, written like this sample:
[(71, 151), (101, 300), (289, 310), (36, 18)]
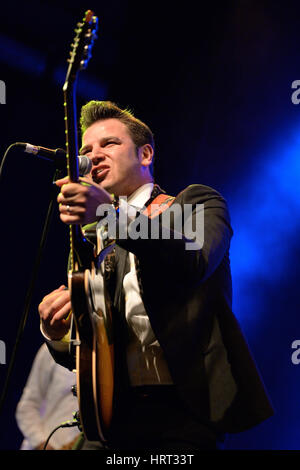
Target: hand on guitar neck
[(54, 313), (78, 202)]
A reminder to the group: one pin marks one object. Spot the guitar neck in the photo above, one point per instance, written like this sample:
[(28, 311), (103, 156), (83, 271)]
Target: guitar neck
[(80, 252), (71, 133), (72, 150)]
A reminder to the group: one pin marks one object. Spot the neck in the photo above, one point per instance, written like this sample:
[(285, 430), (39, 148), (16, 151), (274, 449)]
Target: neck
[(134, 186)]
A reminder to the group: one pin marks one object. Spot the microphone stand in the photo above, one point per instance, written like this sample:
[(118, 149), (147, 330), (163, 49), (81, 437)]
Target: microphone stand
[(58, 174)]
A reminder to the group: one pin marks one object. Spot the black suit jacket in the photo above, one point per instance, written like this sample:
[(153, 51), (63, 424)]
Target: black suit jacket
[(187, 296)]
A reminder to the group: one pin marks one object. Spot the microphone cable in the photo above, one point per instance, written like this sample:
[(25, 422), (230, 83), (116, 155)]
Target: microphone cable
[(4, 158), (66, 424)]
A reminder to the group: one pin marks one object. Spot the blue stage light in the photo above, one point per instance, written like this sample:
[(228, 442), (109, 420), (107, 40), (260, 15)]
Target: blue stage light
[(265, 213), (20, 56)]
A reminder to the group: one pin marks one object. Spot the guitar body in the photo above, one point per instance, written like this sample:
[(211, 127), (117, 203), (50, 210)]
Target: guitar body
[(84, 356), (89, 299), (94, 353)]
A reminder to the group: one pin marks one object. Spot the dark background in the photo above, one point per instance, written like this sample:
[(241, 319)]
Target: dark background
[(213, 81)]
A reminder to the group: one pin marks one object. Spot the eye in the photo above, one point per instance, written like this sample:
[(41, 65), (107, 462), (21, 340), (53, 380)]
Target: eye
[(111, 141), (85, 152)]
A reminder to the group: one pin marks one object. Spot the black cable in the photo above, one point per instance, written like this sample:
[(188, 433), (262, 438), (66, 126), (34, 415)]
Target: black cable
[(65, 424), (4, 158), (50, 435)]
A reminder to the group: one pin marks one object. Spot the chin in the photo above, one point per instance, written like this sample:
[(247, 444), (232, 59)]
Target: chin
[(109, 187), (115, 188)]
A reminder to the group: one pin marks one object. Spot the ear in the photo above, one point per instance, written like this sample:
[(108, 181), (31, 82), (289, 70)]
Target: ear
[(146, 154)]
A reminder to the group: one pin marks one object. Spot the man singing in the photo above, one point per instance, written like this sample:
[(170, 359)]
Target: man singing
[(189, 376)]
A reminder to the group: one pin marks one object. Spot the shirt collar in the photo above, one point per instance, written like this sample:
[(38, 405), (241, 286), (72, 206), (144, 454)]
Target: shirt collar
[(141, 195)]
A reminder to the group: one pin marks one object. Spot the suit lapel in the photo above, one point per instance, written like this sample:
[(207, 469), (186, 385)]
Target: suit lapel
[(122, 267)]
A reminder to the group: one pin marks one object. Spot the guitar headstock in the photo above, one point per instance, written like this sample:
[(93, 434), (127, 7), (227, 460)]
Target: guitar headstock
[(82, 44)]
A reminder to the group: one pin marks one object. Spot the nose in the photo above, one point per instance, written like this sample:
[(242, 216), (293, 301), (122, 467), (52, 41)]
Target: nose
[(96, 158)]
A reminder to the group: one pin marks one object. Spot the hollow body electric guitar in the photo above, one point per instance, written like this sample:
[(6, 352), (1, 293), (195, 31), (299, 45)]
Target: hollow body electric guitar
[(94, 347)]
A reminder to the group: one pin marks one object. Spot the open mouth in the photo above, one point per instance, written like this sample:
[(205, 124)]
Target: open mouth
[(100, 174)]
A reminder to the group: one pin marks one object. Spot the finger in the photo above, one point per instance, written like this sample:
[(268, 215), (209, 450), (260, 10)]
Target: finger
[(62, 314), (87, 182), (62, 181), (73, 189), (61, 299), (76, 210), (67, 321), (71, 200), (72, 219), (54, 292), (52, 304), (87, 178)]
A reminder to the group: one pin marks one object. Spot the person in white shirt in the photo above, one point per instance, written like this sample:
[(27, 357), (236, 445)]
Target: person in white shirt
[(46, 402)]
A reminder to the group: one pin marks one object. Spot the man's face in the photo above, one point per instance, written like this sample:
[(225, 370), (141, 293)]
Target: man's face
[(117, 165)]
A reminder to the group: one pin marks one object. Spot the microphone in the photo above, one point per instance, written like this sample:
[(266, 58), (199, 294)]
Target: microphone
[(84, 163)]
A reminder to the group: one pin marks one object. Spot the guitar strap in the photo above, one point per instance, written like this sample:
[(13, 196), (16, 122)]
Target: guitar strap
[(159, 204), (155, 207)]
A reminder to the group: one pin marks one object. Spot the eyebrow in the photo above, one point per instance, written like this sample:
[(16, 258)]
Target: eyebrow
[(103, 140)]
